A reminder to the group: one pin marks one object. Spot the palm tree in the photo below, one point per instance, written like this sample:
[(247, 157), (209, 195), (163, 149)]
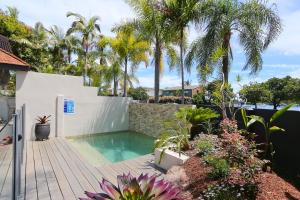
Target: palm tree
[(57, 46), (13, 12), (255, 24), (179, 14), (88, 30), (129, 49), (151, 25), (72, 45)]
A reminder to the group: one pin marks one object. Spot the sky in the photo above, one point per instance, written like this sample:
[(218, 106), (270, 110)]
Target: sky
[(282, 58)]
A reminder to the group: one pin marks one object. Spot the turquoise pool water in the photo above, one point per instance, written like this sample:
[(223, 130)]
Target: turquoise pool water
[(113, 147)]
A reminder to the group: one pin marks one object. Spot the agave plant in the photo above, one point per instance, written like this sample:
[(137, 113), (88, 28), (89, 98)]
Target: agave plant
[(144, 187), (43, 119)]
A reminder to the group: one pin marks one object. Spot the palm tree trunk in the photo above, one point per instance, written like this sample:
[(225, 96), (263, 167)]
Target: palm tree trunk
[(157, 58), (125, 78), (115, 86), (69, 55), (181, 66), (225, 61), (225, 71)]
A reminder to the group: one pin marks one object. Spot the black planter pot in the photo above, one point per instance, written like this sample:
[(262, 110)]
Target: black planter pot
[(42, 131)]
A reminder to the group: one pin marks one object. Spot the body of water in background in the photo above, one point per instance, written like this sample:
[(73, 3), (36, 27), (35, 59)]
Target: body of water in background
[(269, 107)]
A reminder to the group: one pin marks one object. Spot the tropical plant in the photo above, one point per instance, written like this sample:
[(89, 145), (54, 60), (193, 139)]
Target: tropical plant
[(130, 49), (43, 119), (57, 46), (12, 12), (220, 167), (196, 116), (152, 26), (176, 134), (88, 30), (205, 146), (138, 93), (179, 14), (269, 127), (255, 24), (144, 187)]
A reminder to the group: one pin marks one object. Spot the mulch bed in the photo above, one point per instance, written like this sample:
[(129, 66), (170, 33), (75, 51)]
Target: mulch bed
[(271, 186)]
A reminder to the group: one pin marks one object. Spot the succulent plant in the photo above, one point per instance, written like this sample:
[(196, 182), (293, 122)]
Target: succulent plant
[(43, 119), (144, 187)]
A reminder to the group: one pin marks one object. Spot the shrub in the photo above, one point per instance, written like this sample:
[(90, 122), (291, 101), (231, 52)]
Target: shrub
[(196, 116), (231, 192), (172, 99), (138, 94), (240, 153), (131, 188), (229, 126), (220, 167), (205, 146)]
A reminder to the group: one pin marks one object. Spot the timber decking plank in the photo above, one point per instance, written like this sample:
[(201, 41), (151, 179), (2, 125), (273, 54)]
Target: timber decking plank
[(4, 167), (3, 151), (96, 173), (30, 189), (41, 181), (6, 193), (59, 173), (75, 168), (23, 172), (69, 174), (54, 189), (83, 169)]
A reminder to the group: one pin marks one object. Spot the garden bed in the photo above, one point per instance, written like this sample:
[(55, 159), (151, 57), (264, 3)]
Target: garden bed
[(270, 186)]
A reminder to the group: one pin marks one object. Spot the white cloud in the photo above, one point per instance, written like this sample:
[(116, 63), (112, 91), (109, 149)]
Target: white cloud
[(289, 40), (285, 66), (51, 12), (165, 81)]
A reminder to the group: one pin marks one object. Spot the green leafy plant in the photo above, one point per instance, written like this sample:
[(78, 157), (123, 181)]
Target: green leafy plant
[(220, 166), (144, 187), (231, 192), (196, 116), (205, 146), (176, 133), (269, 127), (138, 94)]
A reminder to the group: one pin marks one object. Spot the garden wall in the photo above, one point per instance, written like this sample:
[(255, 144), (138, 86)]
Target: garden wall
[(45, 94), (148, 118), (286, 144)]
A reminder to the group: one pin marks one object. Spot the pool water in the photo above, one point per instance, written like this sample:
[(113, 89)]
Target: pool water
[(104, 148)]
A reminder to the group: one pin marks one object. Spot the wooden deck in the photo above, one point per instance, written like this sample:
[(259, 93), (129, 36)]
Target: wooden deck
[(54, 170)]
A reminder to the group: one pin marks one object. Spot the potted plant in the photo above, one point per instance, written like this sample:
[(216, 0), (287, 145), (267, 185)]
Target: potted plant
[(172, 142), (42, 128)]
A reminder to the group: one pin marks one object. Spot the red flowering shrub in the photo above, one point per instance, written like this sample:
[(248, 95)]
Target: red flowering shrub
[(239, 152), (229, 126)]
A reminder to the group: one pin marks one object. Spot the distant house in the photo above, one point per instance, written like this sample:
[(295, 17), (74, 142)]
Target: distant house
[(189, 91), (150, 91)]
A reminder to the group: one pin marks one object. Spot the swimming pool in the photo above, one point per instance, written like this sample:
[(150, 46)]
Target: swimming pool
[(104, 148)]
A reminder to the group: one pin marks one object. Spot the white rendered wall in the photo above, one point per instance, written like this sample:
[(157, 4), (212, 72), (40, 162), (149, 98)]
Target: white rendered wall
[(43, 94)]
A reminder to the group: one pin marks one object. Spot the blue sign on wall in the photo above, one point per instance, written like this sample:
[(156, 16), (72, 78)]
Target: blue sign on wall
[(69, 106)]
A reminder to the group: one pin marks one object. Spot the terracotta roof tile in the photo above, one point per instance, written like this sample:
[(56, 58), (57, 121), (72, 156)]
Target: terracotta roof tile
[(9, 58)]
